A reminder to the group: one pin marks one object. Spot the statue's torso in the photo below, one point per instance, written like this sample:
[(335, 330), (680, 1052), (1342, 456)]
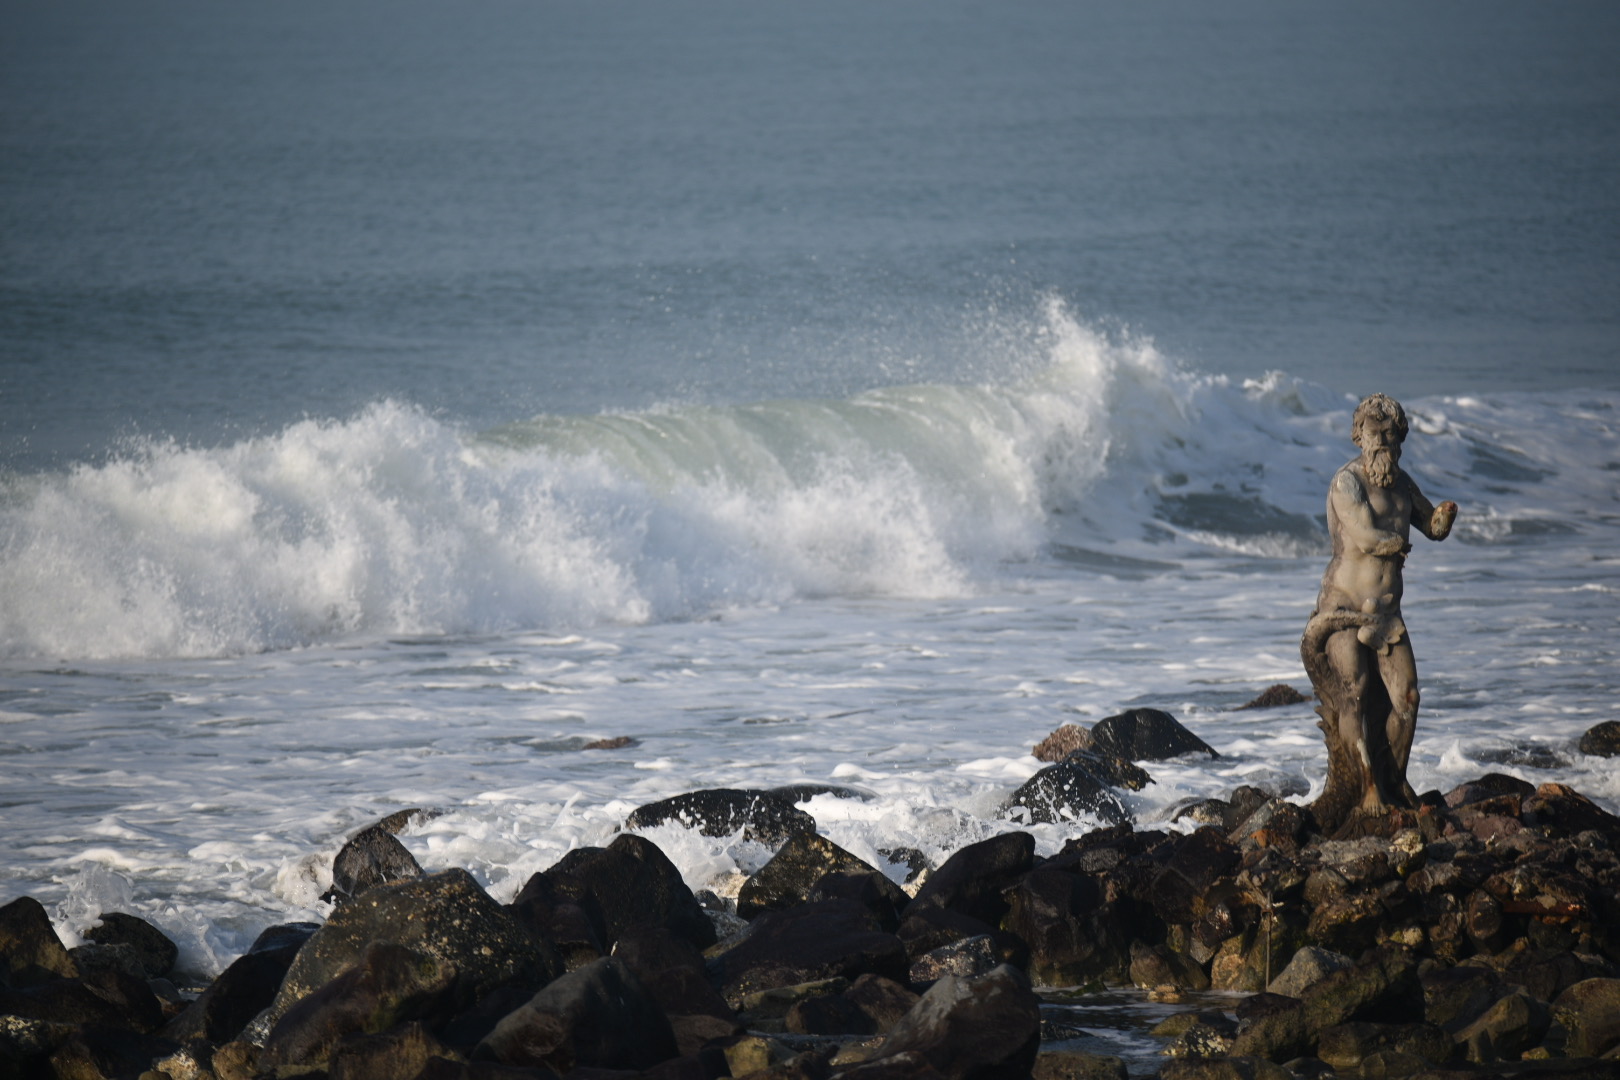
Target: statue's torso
[(1356, 580)]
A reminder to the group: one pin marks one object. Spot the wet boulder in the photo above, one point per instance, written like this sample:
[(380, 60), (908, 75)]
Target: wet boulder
[(148, 951), (963, 959), (242, 990), (805, 791), (627, 884), (1563, 812), (1273, 1027), (986, 1028), (1515, 1023), (924, 930), (1146, 735), (29, 948), (599, 1017), (1589, 1013), (759, 815), (1077, 787), (1382, 988), (1309, 966), (1601, 740), (672, 970), (1488, 787), (101, 999), (1455, 997), (822, 940), (792, 873), (388, 985), (872, 890), (971, 881), (1063, 741), (402, 1052), (371, 857), (1347, 1046), (445, 917), (99, 1052), (1275, 696), (559, 920), (1078, 1065), (1074, 935)]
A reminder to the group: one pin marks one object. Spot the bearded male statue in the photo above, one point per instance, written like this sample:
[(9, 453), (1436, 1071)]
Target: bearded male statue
[(1356, 647)]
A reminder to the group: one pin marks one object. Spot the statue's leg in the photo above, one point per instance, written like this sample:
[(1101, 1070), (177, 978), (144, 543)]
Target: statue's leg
[(1352, 662), (1398, 669)]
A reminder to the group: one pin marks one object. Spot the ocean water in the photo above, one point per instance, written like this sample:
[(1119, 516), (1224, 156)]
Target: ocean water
[(394, 400)]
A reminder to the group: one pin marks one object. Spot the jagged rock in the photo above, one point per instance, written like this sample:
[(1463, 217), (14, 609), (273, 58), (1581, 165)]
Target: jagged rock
[(1275, 695), (597, 1017), (1455, 997), (1562, 811), (445, 917), (915, 862), (965, 959), (371, 857), (930, 928), (1062, 742), (98, 1053), (758, 815), (1382, 988), (1200, 1034), (388, 986), (627, 884), (1159, 965), (1347, 1046), (152, 952), (883, 1000), (1204, 812), (1146, 735), (29, 947), (906, 1066), (1183, 869), (1276, 823), (561, 921), (1503, 1032), (790, 875), (805, 791), (1273, 1027), (672, 970), (972, 879), (986, 1028), (243, 989), (1078, 1065), (1347, 923), (828, 1014), (103, 999), (1486, 787), (1525, 755), (1081, 784), (872, 890), (1601, 740), (826, 939), (768, 1009), (1589, 1013), (1074, 936), (1309, 966)]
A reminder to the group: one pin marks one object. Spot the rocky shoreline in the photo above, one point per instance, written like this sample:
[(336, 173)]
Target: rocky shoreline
[(1477, 935)]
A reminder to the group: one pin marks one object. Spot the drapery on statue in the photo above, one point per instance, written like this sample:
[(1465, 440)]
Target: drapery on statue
[(1356, 648)]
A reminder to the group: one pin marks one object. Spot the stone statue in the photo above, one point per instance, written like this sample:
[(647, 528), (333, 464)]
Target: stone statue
[(1356, 647)]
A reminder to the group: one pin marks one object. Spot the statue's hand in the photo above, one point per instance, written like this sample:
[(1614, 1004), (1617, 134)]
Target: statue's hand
[(1444, 515)]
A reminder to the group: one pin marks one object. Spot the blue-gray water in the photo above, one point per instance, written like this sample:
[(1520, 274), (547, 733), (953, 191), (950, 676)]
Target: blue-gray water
[(216, 218)]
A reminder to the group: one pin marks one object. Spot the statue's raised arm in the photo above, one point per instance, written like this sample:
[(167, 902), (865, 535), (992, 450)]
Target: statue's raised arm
[(1356, 647)]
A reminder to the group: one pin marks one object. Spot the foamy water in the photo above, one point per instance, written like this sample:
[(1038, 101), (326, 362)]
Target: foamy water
[(221, 661)]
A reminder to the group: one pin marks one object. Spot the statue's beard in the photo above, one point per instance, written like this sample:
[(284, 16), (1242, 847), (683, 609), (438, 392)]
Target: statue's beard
[(1381, 467)]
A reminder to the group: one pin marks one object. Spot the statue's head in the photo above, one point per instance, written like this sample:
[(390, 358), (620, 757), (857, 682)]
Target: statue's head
[(1379, 427)]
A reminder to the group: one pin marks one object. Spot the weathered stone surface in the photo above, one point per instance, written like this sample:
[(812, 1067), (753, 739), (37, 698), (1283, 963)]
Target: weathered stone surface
[(1347, 1046), (1455, 997), (1601, 740), (1203, 1034), (598, 1017), (387, 986), (1589, 1013), (1562, 811), (1146, 735), (1063, 741), (1080, 786), (790, 875), (1505, 1030), (1226, 1068), (758, 815), (1078, 1065), (29, 947), (972, 879), (1383, 988), (1276, 695), (672, 970), (630, 883), (883, 1000), (1159, 965), (1074, 936), (986, 1028), (403, 1052), (105, 999), (372, 856), (872, 890), (243, 989), (823, 940), (445, 917), (963, 959), (1309, 966), (1273, 1027), (154, 954), (103, 1053)]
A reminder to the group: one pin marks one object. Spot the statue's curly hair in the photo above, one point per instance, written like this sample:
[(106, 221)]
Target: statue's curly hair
[(1378, 407)]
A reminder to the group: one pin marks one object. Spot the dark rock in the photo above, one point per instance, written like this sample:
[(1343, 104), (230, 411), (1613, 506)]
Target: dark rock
[(1204, 812), (243, 989), (987, 1028), (1275, 824), (403, 1052), (965, 959), (616, 742), (821, 940), (371, 857), (788, 878), (1589, 1014), (1486, 787), (872, 890), (29, 947), (1561, 811), (1383, 988), (441, 1068), (695, 1031), (1064, 741), (829, 1014), (672, 970), (1224, 1068), (972, 879), (1159, 965), (1273, 1027), (1513, 1024), (915, 862), (1079, 785), (1276, 695), (1601, 740), (1202, 1034), (1078, 1065), (1525, 755), (154, 954), (1146, 735), (389, 985), (884, 1001), (1309, 966), (73, 1001), (560, 921), (904, 1066), (1245, 800), (445, 917), (1455, 997), (759, 815), (598, 1017), (627, 884), (804, 792), (1074, 935), (102, 1052), (1348, 923), (1346, 1046)]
